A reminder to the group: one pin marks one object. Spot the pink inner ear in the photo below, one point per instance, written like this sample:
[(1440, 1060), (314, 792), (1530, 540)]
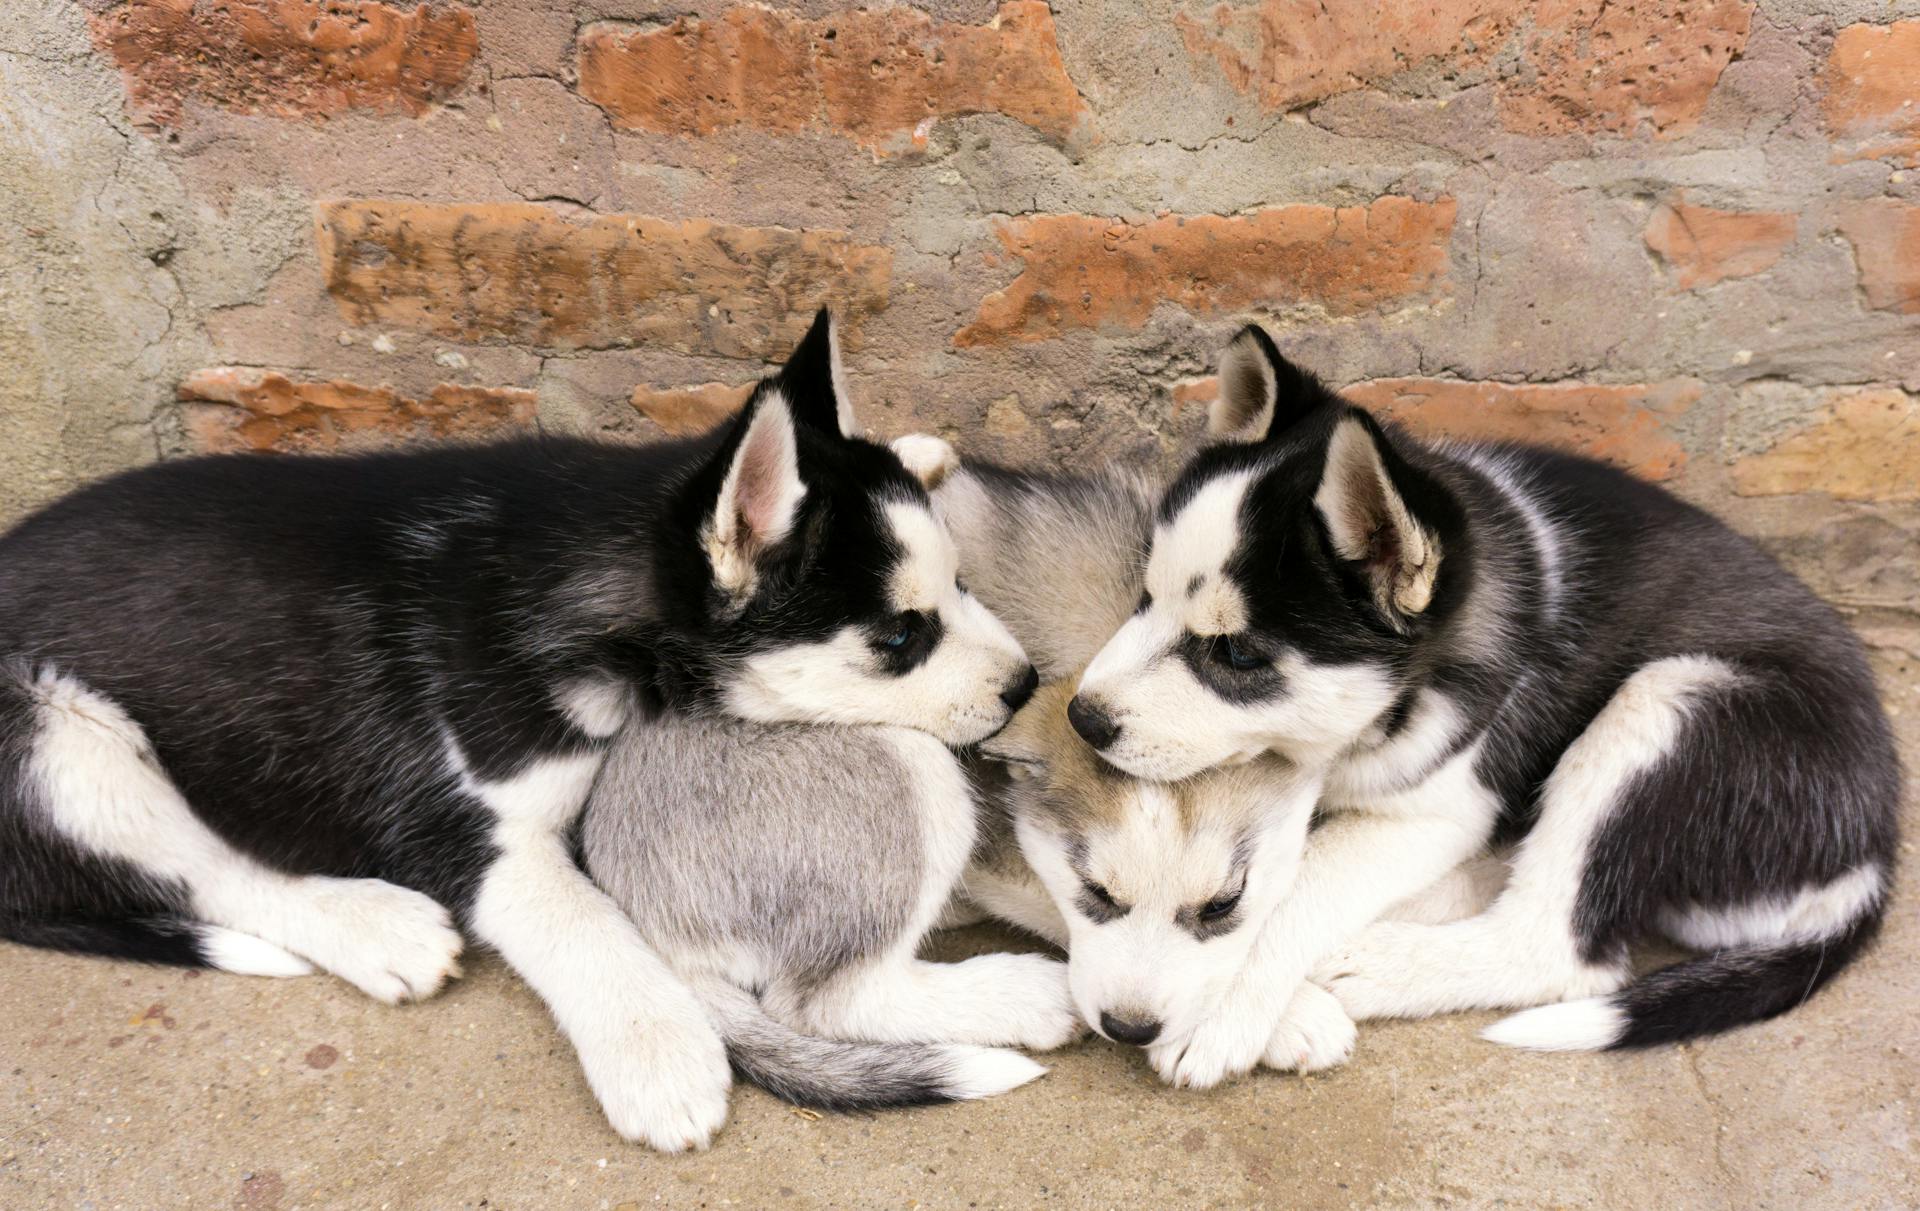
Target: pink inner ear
[(759, 491)]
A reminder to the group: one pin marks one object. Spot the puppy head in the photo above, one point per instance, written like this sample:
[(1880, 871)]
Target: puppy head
[(1295, 568), (830, 585), (1163, 885)]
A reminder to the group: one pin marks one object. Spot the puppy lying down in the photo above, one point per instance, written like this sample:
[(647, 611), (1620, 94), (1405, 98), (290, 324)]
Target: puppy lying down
[(788, 876)]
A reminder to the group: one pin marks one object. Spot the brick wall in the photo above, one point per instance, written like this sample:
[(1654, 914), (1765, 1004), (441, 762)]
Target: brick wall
[(1684, 236)]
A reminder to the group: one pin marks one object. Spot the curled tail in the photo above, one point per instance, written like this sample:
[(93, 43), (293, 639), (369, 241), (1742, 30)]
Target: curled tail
[(827, 1074), (1701, 996)]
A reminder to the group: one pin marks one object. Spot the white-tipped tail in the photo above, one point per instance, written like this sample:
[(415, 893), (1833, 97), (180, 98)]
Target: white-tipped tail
[(1589, 1025), (979, 1072), (244, 954)]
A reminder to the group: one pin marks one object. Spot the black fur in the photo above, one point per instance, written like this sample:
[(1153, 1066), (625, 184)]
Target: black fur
[(1786, 779), (292, 633)]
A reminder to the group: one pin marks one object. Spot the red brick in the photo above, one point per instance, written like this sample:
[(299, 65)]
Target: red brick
[(236, 408), (1586, 65), (294, 58), (881, 75), (1081, 271), (1705, 246), (1625, 425), (1886, 247), (1862, 445), (1872, 102), (684, 411), (514, 272)]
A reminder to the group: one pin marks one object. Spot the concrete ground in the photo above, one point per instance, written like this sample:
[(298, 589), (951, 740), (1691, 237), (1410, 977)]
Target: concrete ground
[(132, 1087)]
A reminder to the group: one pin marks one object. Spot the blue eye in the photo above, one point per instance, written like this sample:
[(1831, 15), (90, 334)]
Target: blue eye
[(906, 628), (1237, 656)]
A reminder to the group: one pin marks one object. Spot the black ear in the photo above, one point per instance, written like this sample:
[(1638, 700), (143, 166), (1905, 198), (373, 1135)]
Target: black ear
[(1369, 522), (814, 384), (1262, 394)]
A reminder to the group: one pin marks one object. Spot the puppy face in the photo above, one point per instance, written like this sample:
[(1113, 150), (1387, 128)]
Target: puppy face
[(1293, 572), (1163, 886), (832, 595)]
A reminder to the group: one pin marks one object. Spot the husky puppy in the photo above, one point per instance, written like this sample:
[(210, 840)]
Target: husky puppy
[(273, 713), (1469, 641), (788, 873), (1156, 890)]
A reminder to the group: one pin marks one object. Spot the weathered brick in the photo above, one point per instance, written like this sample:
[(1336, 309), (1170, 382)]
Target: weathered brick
[(517, 272), (237, 408), (1706, 246), (1592, 65), (1885, 235), (294, 58), (880, 75), (1623, 65), (1872, 101), (1860, 445), (1081, 271), (1625, 425), (684, 411)]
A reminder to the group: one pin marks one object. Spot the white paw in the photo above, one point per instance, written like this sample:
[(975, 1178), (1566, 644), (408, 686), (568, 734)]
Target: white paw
[(392, 943), (1227, 1043), (663, 1081), (1034, 989), (1316, 1033)]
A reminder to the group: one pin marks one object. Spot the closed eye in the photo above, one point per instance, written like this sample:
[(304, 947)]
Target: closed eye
[(1219, 908)]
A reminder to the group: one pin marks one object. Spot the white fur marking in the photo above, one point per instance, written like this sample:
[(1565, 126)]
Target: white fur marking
[(105, 791), (598, 706), (1590, 1024), (244, 954), (1524, 951), (930, 459), (1810, 915), (1546, 541)]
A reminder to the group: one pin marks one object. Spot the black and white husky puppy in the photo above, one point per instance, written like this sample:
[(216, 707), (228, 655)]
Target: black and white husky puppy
[(1481, 640), (271, 713)]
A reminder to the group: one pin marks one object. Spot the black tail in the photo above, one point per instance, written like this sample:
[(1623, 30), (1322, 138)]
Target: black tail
[(1703, 996), (828, 1074), (166, 940), (1732, 988)]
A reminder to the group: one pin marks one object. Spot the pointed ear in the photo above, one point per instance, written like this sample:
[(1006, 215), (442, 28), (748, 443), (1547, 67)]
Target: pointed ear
[(1025, 745), (760, 495), (814, 383), (928, 458), (1261, 393), (1368, 520)]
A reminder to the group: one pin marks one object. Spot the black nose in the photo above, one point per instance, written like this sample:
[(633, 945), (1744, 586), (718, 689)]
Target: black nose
[(1120, 1030), (1095, 726), (1017, 693)]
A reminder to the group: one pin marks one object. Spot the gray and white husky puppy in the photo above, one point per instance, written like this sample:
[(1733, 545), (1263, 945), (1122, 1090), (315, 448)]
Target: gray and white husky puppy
[(1470, 641), (787, 875)]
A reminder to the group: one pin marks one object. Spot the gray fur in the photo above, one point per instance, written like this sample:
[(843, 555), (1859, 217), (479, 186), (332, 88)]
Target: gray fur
[(787, 842), (1057, 558)]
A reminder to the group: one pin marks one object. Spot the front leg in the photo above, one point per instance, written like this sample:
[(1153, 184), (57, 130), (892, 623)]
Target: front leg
[(1357, 866), (652, 1056)]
